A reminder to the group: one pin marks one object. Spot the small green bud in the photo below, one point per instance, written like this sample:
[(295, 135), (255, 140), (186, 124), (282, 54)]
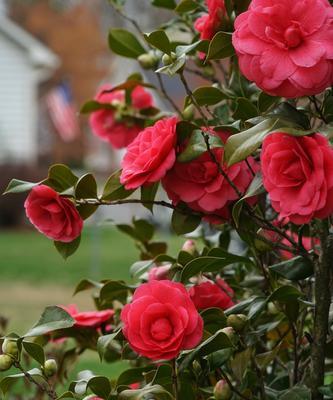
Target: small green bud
[(169, 59), (188, 113), (190, 247), (147, 60), (10, 348), (6, 362), (222, 391), (237, 321), (50, 367)]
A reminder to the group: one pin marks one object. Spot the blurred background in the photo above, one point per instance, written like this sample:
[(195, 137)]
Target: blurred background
[(53, 57)]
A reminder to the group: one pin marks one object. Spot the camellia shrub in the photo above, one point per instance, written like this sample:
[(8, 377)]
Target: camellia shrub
[(243, 310)]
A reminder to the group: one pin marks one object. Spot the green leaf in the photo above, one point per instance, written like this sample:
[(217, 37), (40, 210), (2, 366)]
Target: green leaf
[(265, 101), (201, 45), (66, 395), (256, 187), (240, 362), (86, 284), (211, 263), (35, 351), (244, 109), (214, 319), (284, 294), (214, 343), (93, 105), (114, 190), (287, 112), (17, 186), (184, 223), (52, 319), (100, 385), (69, 248), (60, 178), (86, 187), (220, 46), (148, 194), (243, 144), (174, 67), (159, 40), (156, 392), (186, 5), (197, 146), (124, 43), (104, 342), (295, 269), (208, 95), (219, 358), (296, 393), (169, 4), (133, 375), (113, 290), (8, 381)]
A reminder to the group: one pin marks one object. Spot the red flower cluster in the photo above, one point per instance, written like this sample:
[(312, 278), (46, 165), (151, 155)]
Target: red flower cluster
[(209, 294), (209, 24), (104, 123), (88, 319)]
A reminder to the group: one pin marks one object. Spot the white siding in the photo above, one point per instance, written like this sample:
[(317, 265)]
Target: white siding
[(18, 104)]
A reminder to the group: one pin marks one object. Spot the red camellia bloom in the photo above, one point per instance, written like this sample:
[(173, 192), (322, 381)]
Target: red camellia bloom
[(200, 184), (286, 46), (54, 216), (208, 294), (150, 155), (297, 175), (161, 320), (104, 124), (88, 319), (210, 23)]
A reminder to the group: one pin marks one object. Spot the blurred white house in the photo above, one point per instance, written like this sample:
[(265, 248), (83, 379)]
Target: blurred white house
[(24, 64)]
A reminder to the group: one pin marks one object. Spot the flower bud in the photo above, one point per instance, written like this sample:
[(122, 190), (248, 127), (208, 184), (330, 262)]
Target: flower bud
[(6, 362), (237, 321), (188, 115), (169, 59), (50, 367), (222, 391), (208, 71), (10, 348), (147, 61), (190, 247)]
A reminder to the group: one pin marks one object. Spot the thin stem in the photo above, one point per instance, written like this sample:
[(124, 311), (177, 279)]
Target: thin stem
[(49, 391), (323, 270), (175, 378), (232, 387), (166, 95), (318, 109), (201, 74), (296, 358)]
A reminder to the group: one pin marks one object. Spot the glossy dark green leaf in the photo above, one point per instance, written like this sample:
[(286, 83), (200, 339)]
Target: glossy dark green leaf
[(208, 95), (7, 382), (35, 351), (220, 46), (296, 393), (100, 385), (294, 269), (184, 223), (265, 101), (104, 342), (214, 319), (133, 375), (285, 111), (148, 194), (186, 6), (18, 186), (124, 43), (169, 4), (160, 40), (52, 319), (244, 109), (93, 105), (113, 290), (87, 284), (86, 187), (114, 190), (67, 249), (156, 392), (284, 294)]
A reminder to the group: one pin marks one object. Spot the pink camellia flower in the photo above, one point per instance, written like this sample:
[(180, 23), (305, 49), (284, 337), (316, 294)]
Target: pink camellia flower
[(200, 184), (209, 24), (297, 175), (308, 243), (150, 155), (53, 215), (159, 273), (208, 294), (104, 124), (286, 46), (161, 320), (88, 319)]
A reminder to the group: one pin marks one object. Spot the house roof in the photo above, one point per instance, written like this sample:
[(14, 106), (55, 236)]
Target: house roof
[(40, 55)]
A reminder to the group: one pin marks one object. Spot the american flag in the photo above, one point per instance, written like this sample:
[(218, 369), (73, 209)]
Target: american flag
[(63, 112)]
